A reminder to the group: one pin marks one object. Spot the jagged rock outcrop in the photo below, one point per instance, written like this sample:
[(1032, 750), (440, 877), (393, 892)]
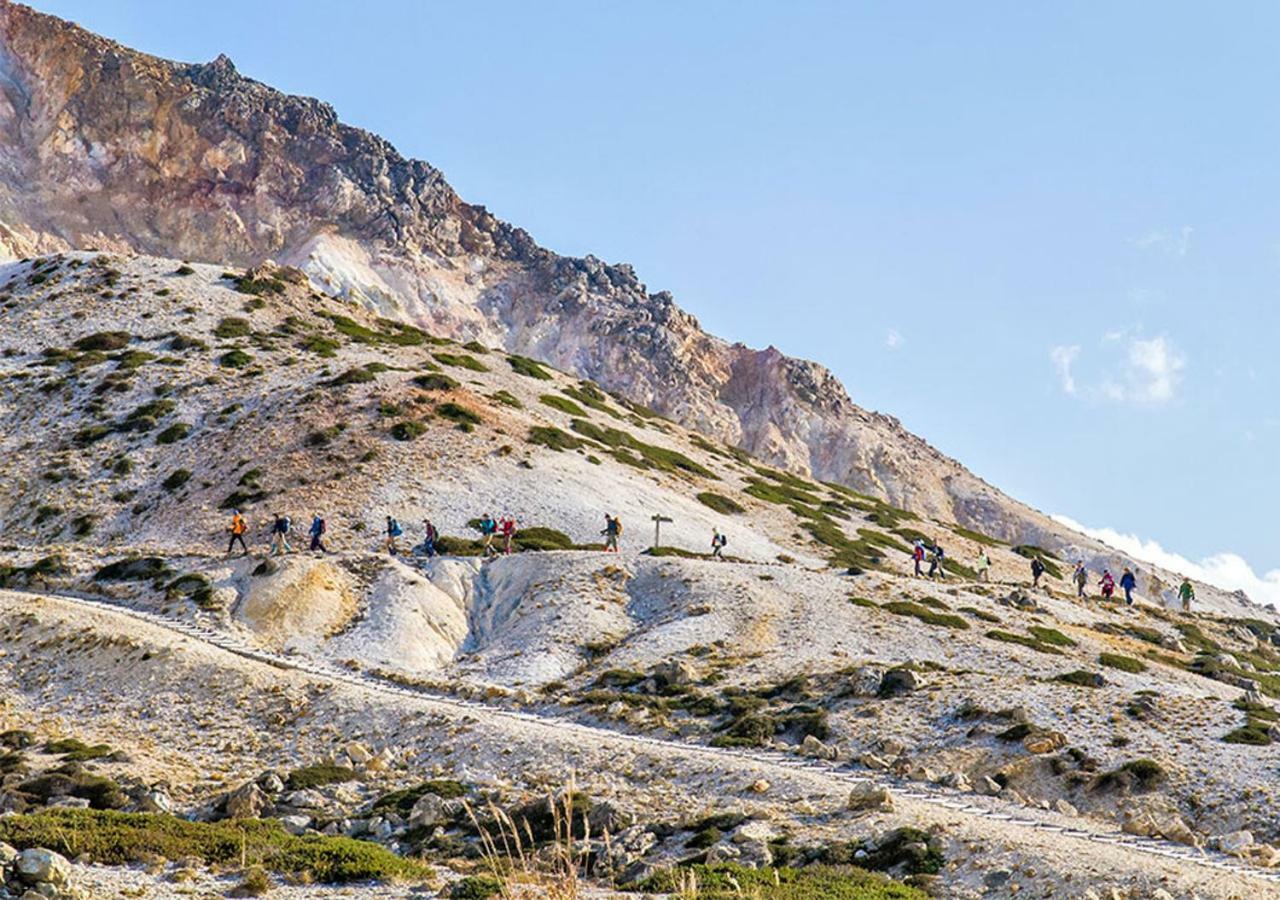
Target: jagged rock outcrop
[(103, 147)]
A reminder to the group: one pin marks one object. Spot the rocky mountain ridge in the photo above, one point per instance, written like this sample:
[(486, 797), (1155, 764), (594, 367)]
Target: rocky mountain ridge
[(107, 148)]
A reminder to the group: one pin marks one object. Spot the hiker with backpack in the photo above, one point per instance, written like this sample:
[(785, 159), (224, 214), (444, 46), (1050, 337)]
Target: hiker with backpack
[(612, 531), (1108, 584), (430, 536), (317, 532), (917, 555), (237, 529), (1186, 593), (508, 528), (280, 534), (718, 541), (393, 531), (1128, 582), (935, 562), (1081, 578), (488, 528), (982, 566), (1037, 569)]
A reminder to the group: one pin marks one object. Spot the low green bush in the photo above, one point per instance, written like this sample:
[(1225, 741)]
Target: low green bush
[(1123, 663), (926, 615), (720, 503)]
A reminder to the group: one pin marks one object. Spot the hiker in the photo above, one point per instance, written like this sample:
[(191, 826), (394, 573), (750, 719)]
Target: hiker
[(1186, 593), (1108, 585), (612, 531), (428, 545), (280, 534), (237, 529), (1081, 578), (508, 527), (983, 565), (393, 531), (317, 532), (1128, 582), (1037, 569), (917, 554), (935, 562), (718, 541), (488, 528)]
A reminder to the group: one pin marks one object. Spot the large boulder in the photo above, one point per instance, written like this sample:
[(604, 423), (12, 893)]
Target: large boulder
[(39, 866), (867, 795), (246, 802)]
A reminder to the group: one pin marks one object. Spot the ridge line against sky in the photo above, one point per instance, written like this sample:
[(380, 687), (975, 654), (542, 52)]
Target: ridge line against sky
[(1067, 206)]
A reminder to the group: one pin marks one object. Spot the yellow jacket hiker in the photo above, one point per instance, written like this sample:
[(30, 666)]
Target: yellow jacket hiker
[(238, 527)]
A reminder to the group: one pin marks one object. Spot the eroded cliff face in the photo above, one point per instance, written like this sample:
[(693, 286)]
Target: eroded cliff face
[(107, 148)]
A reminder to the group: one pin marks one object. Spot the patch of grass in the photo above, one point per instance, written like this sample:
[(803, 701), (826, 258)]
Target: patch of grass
[(435, 381), (815, 882), (460, 361), (591, 396), (174, 433), (978, 537), (396, 333), (475, 887), (75, 750), (402, 801), (540, 538), (134, 568), (980, 614), (105, 341), (320, 345), (235, 359), (1050, 636), (408, 430), (361, 375), (506, 399), (1254, 732), (1123, 663), (1144, 774), (1081, 678), (864, 602), (232, 327), (652, 456), (529, 368), (553, 438), (459, 414), (1025, 641), (318, 775), (117, 839), (562, 404), (259, 286), (720, 503), (924, 614)]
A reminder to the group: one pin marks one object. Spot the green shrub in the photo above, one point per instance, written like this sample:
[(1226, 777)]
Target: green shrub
[(174, 433), (553, 438), (75, 750), (317, 776), (232, 327), (435, 381), (1254, 732), (475, 887), (864, 602), (506, 399), (539, 538), (105, 341), (980, 614), (924, 614), (1123, 663), (176, 479), (815, 882), (118, 839), (529, 368), (460, 361), (563, 404), (1050, 636), (720, 503), (408, 430), (396, 333), (320, 345), (1081, 678), (455, 412), (234, 359), (1010, 638), (403, 800), (656, 457), (133, 568), (259, 286)]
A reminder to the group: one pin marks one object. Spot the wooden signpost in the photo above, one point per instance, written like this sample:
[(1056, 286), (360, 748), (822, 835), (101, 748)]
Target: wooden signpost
[(658, 519)]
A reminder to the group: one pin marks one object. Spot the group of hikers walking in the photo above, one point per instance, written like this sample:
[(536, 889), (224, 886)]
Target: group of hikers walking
[(936, 557), (281, 528)]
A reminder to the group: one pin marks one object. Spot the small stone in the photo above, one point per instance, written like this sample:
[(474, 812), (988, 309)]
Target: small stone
[(814, 748), (1235, 842), (246, 802), (897, 681), (759, 786), (989, 786), (296, 824), (1044, 742), (1065, 808), (871, 761), (865, 681)]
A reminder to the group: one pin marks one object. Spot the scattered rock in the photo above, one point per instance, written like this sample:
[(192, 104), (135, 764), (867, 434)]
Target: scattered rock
[(989, 786), (39, 866), (759, 786), (1044, 741), (1065, 808), (897, 681), (296, 824), (1235, 842), (675, 673), (867, 795), (814, 748), (247, 802), (865, 681)]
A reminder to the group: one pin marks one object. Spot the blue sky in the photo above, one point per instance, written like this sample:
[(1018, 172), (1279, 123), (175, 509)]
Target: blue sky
[(1043, 235)]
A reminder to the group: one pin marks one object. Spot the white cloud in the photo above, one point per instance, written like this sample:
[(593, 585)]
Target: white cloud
[(1226, 570), (1175, 243), (893, 340), (1063, 358), (1150, 373)]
